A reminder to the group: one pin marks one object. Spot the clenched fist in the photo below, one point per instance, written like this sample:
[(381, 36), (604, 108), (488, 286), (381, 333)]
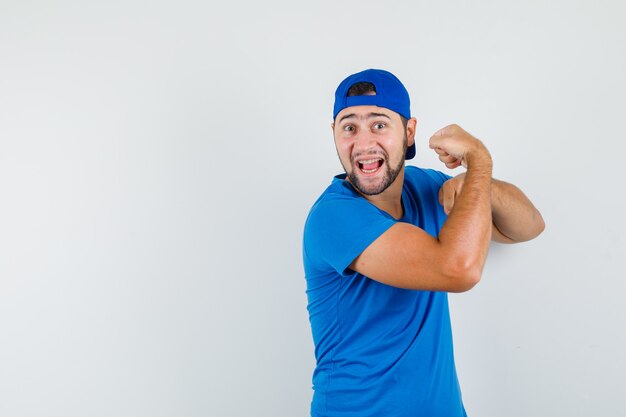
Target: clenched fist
[(456, 147)]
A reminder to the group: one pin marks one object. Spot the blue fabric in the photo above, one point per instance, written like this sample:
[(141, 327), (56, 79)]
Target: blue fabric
[(380, 350), (390, 92)]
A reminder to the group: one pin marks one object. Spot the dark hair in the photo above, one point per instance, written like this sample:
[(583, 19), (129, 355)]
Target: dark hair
[(363, 88)]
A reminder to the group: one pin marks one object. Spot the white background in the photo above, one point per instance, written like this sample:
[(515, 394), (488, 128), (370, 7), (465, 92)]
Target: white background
[(158, 159)]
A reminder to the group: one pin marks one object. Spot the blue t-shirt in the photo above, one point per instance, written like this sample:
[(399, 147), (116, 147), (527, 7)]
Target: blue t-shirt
[(380, 350)]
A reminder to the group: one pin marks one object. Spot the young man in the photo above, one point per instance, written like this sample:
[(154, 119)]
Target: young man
[(382, 247)]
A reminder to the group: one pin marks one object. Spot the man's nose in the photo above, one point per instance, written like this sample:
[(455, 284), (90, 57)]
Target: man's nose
[(364, 140)]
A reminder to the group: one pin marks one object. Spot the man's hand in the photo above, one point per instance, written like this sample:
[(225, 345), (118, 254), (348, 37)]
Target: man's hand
[(449, 191), (456, 147)]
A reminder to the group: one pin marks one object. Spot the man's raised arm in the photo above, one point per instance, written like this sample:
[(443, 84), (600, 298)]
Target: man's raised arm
[(405, 256)]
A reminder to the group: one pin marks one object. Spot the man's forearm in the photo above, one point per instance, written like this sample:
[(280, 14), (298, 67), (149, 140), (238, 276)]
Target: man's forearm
[(467, 231), (514, 215)]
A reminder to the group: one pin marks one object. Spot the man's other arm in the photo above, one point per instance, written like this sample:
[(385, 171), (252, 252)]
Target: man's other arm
[(515, 218)]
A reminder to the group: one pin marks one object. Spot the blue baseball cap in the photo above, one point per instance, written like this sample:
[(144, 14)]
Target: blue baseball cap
[(390, 94)]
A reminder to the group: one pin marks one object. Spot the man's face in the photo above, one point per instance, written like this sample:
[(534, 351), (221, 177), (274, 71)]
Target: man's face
[(371, 143)]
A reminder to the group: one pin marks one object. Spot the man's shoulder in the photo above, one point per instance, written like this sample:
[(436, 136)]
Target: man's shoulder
[(341, 199), (418, 174), (339, 226), (339, 190)]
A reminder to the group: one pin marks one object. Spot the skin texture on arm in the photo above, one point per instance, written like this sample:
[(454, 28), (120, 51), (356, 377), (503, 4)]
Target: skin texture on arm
[(407, 257), (515, 218)]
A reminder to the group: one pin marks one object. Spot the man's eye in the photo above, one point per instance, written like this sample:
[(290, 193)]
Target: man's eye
[(379, 125), (348, 128)]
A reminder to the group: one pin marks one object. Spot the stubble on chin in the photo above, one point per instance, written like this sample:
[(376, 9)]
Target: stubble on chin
[(388, 178)]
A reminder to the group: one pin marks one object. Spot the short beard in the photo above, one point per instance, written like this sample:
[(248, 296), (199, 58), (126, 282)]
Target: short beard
[(390, 175)]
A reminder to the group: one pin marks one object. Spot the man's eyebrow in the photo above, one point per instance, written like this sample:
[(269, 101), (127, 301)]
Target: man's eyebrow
[(369, 116), (347, 116), (378, 115)]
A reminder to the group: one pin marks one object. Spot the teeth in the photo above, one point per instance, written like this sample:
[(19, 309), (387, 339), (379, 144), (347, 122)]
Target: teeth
[(369, 171), (369, 161)]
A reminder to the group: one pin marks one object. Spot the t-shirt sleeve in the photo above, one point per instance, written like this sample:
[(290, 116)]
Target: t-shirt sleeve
[(338, 229)]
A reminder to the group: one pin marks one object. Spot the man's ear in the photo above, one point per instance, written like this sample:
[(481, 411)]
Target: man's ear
[(332, 126), (411, 127)]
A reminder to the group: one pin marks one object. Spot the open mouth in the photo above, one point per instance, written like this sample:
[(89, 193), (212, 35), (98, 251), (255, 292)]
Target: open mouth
[(370, 166)]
